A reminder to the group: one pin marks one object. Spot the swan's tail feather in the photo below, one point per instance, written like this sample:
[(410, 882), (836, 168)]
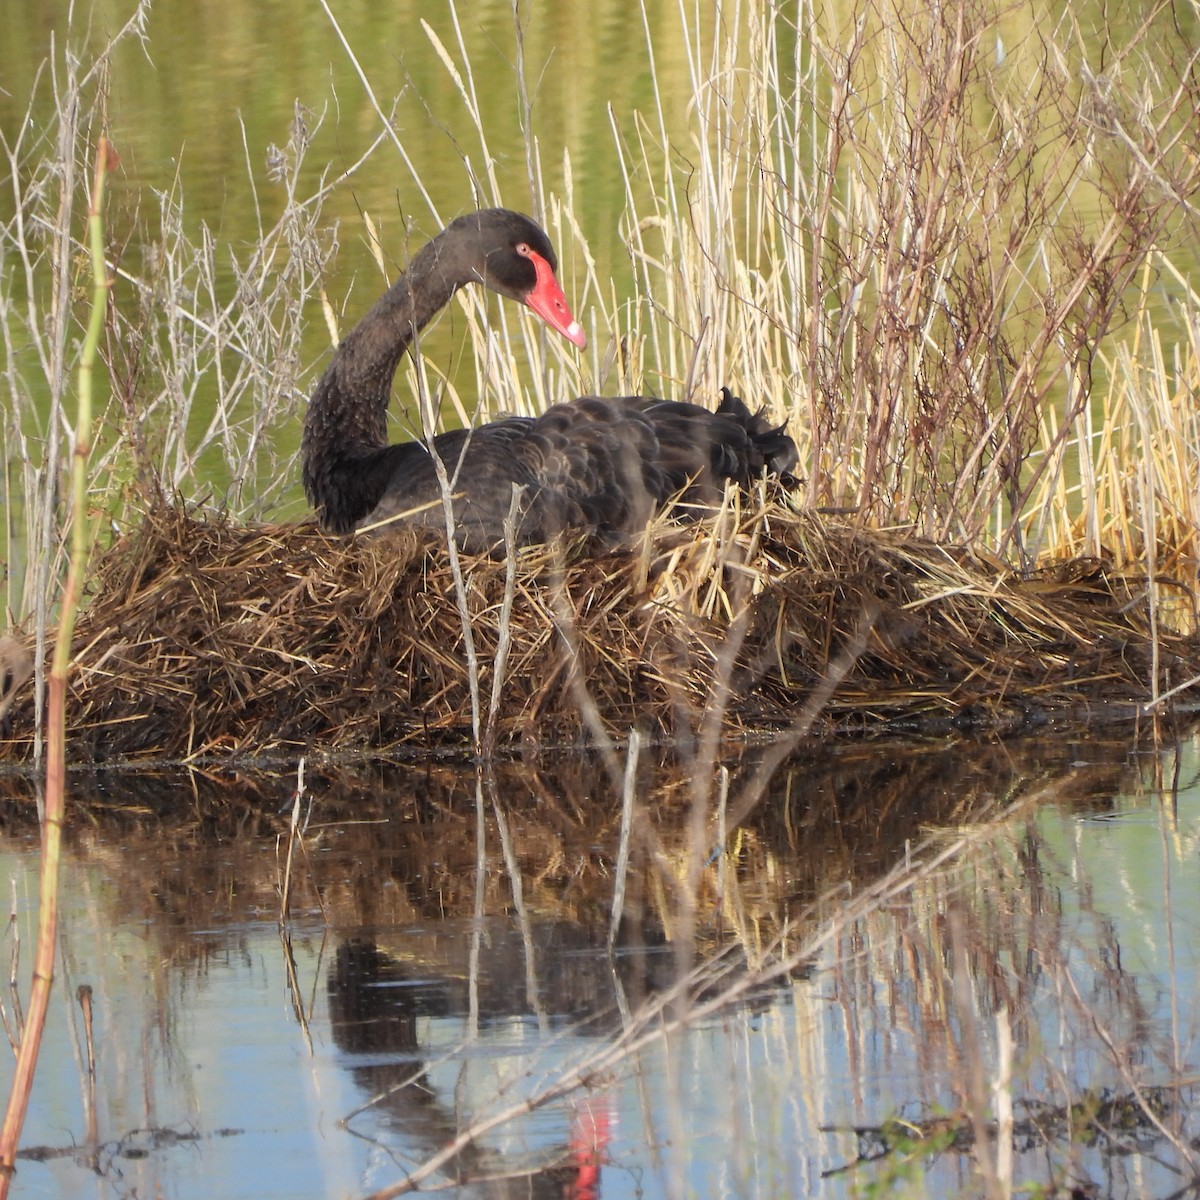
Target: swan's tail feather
[(773, 448)]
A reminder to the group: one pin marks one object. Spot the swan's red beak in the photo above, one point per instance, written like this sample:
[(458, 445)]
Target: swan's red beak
[(548, 301)]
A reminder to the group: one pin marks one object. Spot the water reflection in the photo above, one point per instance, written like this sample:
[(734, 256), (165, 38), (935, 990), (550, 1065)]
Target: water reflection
[(446, 961), (379, 1006)]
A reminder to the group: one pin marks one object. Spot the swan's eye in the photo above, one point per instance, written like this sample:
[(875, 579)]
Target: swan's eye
[(523, 248)]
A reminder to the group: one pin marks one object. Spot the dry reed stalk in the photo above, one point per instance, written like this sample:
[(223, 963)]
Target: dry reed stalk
[(14, 1024), (295, 836), (880, 252), (83, 995), (517, 889), (504, 631), (628, 800), (446, 487), (1002, 1102), (481, 874), (984, 1148)]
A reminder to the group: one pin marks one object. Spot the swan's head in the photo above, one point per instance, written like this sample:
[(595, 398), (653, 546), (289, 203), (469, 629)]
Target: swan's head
[(512, 255)]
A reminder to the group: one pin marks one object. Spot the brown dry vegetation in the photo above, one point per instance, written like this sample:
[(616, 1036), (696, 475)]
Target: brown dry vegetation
[(209, 638)]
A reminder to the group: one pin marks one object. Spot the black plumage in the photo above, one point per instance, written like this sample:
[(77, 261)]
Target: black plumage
[(595, 464)]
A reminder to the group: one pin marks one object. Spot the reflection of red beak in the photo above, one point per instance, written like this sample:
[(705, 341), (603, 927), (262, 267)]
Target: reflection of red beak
[(590, 1135), (548, 301)]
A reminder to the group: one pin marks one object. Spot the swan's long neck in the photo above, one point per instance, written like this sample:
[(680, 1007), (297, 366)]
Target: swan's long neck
[(345, 428)]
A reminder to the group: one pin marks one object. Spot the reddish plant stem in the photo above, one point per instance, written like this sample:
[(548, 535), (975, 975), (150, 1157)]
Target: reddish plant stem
[(55, 800)]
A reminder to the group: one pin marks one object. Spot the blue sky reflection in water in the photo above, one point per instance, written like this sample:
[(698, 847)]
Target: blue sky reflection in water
[(1076, 912)]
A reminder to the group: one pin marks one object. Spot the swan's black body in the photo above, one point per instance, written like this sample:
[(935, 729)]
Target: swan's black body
[(599, 465)]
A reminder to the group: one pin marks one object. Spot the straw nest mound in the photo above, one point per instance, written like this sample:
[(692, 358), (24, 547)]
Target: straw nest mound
[(204, 638)]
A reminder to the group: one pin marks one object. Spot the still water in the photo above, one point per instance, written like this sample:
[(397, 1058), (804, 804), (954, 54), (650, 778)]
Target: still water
[(446, 963)]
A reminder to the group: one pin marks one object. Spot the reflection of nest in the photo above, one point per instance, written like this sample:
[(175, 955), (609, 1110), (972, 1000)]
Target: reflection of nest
[(396, 844), (208, 638)]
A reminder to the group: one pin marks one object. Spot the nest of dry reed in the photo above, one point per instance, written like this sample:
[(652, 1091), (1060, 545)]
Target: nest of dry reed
[(205, 638)]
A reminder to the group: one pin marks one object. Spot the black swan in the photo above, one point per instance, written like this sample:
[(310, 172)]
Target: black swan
[(600, 466)]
